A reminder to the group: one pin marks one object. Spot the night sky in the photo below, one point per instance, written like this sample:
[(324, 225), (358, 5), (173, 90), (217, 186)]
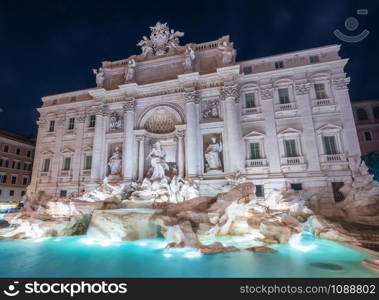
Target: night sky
[(51, 47)]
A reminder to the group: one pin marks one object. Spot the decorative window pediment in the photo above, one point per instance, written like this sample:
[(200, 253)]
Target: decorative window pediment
[(329, 128), (87, 148), (289, 132), (67, 150), (47, 152), (254, 135), (249, 87), (283, 82), (320, 76)]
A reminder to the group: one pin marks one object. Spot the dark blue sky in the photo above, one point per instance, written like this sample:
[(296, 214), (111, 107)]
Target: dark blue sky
[(51, 47)]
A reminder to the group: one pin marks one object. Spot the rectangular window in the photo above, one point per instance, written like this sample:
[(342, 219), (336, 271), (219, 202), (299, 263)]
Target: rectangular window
[(63, 193), (320, 91), (330, 145), (14, 179), (23, 193), (6, 148), (279, 64), (284, 96), (46, 165), (71, 123), (92, 121), (290, 148), (0, 192), (29, 153), (296, 186), (88, 163), (248, 70), (11, 193), (18, 151), (368, 136), (67, 163), (52, 126), (259, 191), (255, 151), (314, 59), (25, 180), (3, 178), (16, 164), (4, 163), (250, 100)]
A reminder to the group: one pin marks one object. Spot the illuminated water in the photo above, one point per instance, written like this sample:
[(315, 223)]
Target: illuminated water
[(81, 257)]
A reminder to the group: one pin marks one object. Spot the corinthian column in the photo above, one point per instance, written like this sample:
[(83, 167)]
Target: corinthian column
[(98, 142), (180, 136), (127, 153), (192, 98), (141, 157), (233, 130)]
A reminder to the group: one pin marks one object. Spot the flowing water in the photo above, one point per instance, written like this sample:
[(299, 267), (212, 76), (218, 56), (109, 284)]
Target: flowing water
[(84, 257)]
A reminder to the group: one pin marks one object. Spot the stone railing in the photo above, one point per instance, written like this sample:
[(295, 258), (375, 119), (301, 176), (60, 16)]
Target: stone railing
[(66, 173), (252, 110), (44, 174), (296, 160), (321, 102), (86, 172), (286, 106), (256, 162), (329, 158)]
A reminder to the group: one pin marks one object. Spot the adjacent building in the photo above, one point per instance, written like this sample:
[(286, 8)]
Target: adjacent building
[(283, 121), (16, 162), (366, 114)]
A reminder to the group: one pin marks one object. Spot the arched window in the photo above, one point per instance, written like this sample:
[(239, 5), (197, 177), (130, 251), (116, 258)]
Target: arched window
[(362, 114), (376, 112)]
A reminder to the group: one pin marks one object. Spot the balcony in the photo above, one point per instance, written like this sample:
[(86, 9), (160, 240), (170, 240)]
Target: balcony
[(66, 173), (330, 158), (251, 110), (293, 164), (257, 165), (320, 102), (285, 107), (333, 162), (323, 105)]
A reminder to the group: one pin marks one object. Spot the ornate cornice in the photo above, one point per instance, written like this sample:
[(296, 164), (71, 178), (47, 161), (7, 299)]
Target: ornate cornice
[(193, 96), (140, 138), (341, 83), (266, 93), (230, 91), (302, 88), (129, 105)]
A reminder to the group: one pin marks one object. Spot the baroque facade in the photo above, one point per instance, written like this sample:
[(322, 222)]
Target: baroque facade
[(283, 121)]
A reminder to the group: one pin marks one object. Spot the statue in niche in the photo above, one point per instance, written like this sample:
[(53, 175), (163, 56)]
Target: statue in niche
[(227, 52), (130, 71), (158, 161), (115, 121), (189, 57), (100, 76), (213, 156), (211, 111), (115, 162)]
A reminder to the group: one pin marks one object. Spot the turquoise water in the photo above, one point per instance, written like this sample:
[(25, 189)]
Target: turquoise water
[(82, 257)]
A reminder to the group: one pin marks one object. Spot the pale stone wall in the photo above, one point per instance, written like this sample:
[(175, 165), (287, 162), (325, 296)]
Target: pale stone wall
[(305, 119)]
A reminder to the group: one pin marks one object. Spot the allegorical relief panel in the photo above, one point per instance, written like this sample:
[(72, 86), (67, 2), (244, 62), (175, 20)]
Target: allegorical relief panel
[(210, 109), (115, 121), (213, 149)]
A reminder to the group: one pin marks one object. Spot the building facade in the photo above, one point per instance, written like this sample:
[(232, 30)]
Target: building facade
[(16, 161), (366, 114), (282, 121)]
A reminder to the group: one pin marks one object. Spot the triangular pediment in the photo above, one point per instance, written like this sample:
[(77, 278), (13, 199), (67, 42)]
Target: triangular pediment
[(67, 150), (87, 148), (254, 134), (289, 131), (329, 127), (47, 152)]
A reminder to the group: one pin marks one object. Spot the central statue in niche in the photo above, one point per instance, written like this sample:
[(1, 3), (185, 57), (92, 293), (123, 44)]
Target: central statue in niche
[(158, 161)]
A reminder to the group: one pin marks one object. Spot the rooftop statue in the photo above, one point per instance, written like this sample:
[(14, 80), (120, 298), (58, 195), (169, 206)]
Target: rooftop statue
[(162, 39)]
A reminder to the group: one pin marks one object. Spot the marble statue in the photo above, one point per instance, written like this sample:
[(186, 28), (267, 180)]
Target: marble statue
[(227, 53), (158, 161), (162, 39), (189, 57), (211, 111), (130, 71), (100, 76), (115, 121), (115, 162), (212, 155)]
